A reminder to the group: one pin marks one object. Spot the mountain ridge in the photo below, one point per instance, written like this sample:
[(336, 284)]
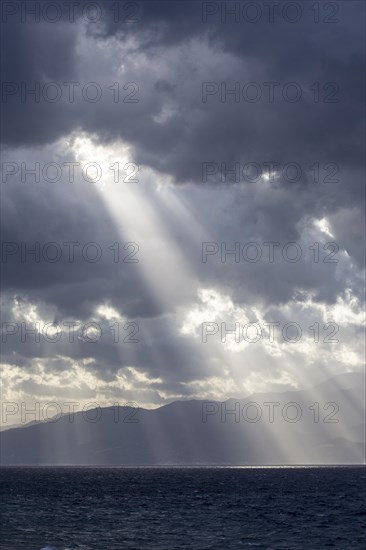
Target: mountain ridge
[(329, 430)]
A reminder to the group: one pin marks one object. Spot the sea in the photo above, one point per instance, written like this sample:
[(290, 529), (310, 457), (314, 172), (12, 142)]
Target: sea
[(173, 508)]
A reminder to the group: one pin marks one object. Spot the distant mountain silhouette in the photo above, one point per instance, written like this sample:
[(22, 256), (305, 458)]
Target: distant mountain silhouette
[(182, 434)]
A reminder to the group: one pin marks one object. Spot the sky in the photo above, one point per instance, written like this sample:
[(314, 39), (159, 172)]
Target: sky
[(180, 170)]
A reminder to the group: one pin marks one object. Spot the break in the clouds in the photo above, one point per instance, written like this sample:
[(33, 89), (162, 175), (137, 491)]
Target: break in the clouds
[(227, 188)]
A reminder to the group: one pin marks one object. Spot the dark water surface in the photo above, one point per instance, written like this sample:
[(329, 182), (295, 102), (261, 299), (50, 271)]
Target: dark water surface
[(183, 508)]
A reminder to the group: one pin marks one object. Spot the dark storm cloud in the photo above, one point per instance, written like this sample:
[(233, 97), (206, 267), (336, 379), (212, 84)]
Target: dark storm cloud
[(182, 53), (303, 52)]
